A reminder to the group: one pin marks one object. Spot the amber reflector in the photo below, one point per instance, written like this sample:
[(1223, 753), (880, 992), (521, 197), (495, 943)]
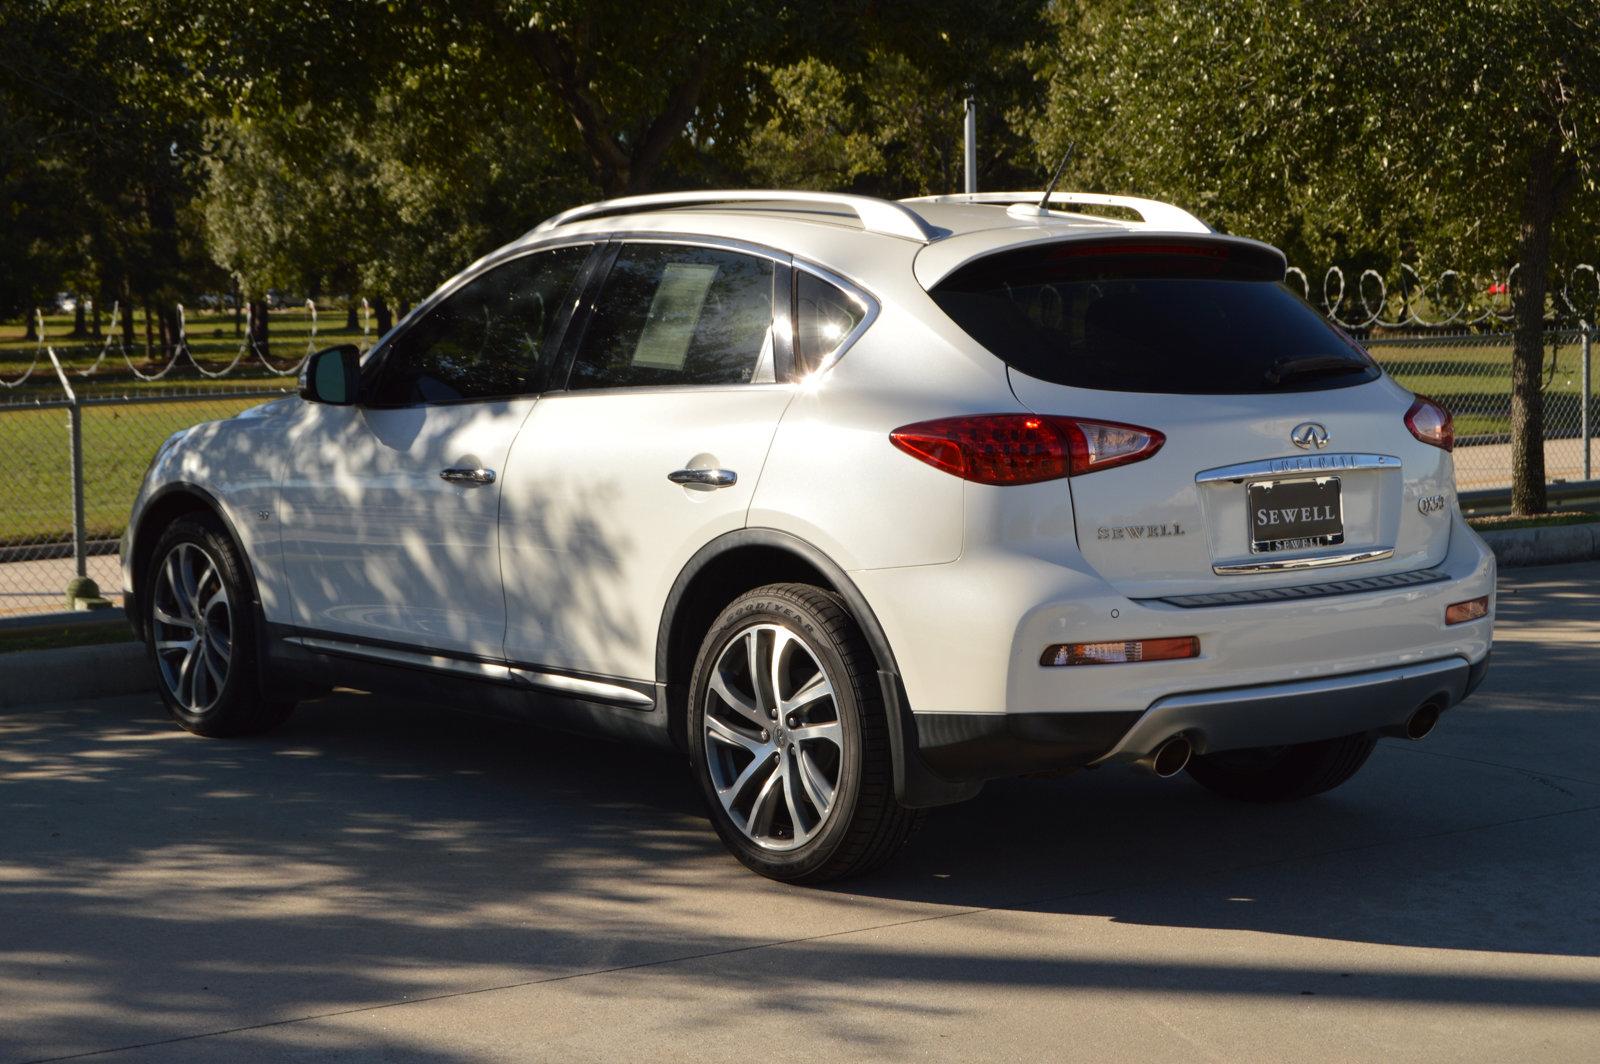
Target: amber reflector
[(1470, 610), (1121, 652)]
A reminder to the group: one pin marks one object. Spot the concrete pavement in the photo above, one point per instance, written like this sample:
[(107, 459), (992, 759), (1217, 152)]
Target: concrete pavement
[(385, 882)]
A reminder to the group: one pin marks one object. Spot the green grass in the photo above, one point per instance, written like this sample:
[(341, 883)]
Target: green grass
[(1474, 383), (118, 443)]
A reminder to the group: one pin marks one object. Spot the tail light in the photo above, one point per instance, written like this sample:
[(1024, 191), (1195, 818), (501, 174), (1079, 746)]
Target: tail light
[(1431, 423), (1470, 610), (1024, 448)]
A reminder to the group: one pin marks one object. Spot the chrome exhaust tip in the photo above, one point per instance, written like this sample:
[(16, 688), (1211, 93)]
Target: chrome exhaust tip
[(1168, 759), (1420, 723)]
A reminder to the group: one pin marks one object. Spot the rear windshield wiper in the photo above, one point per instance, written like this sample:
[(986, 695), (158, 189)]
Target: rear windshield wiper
[(1301, 366)]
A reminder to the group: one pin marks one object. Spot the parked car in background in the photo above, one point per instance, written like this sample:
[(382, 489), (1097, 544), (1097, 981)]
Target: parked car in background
[(856, 503)]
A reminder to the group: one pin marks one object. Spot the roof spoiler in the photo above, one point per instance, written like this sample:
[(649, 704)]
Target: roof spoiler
[(1154, 213)]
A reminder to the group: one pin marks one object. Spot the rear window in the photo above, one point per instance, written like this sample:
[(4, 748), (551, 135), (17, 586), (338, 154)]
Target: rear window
[(1188, 319)]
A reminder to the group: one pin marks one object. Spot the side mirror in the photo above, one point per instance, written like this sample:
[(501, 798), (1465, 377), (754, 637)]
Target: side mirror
[(332, 376)]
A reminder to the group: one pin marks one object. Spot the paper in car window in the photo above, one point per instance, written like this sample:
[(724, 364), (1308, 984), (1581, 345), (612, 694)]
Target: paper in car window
[(674, 313)]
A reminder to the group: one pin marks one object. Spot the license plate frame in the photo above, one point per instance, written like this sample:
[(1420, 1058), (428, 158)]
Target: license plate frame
[(1302, 513)]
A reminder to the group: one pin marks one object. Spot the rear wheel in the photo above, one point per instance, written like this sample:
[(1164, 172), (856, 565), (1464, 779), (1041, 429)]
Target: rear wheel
[(1282, 773), (200, 625), (788, 739)]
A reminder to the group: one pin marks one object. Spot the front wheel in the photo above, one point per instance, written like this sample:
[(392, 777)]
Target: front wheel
[(201, 628), (788, 739), (1282, 773)]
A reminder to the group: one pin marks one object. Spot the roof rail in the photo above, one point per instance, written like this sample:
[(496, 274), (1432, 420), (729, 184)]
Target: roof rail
[(877, 215), (1153, 212)]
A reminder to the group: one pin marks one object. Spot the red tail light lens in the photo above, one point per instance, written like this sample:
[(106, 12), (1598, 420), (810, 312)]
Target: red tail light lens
[(1024, 448), (1431, 423)]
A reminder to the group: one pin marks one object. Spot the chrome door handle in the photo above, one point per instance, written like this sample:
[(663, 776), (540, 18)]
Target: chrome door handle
[(468, 476), (710, 478)]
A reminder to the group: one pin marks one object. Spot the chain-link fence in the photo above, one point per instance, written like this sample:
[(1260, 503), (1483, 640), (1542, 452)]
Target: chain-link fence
[(1470, 375), (75, 464), (76, 459)]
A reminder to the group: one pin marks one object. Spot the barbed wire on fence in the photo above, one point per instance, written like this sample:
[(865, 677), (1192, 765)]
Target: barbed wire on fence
[(1449, 292), (38, 353)]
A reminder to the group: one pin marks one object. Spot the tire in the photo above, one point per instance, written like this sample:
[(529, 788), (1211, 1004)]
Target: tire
[(805, 793), (200, 630), (1282, 773)]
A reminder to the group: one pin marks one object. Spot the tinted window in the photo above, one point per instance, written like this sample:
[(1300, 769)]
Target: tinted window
[(669, 314), (824, 317), (1200, 320), (488, 339)]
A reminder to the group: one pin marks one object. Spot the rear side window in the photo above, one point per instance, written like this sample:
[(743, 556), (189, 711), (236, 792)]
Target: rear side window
[(1187, 319), (672, 314), (825, 316), (489, 339)]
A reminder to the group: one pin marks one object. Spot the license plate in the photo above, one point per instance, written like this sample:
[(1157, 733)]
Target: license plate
[(1295, 514)]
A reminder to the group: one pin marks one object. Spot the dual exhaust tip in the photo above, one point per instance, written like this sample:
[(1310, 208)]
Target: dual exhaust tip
[(1172, 756)]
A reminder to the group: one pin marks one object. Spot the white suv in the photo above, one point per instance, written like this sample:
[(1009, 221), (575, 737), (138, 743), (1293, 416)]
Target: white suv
[(858, 503)]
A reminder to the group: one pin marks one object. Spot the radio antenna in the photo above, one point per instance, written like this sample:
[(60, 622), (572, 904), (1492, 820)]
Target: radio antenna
[(1044, 200)]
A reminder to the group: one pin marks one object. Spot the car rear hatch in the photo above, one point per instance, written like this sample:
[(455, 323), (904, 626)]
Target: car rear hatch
[(1287, 458)]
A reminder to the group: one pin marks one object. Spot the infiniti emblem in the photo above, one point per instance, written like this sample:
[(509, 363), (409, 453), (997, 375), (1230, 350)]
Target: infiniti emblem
[(1309, 434)]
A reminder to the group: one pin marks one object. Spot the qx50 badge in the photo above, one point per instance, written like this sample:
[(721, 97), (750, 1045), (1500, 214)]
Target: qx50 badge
[(1430, 504), (1308, 435)]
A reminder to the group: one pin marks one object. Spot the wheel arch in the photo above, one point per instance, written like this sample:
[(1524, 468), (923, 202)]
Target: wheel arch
[(747, 558), (166, 505)]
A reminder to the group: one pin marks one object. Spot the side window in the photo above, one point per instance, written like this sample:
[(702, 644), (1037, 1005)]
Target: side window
[(672, 314), (824, 315), (486, 340)]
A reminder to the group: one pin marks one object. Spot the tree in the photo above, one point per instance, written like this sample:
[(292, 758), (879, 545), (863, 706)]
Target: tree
[(1455, 131)]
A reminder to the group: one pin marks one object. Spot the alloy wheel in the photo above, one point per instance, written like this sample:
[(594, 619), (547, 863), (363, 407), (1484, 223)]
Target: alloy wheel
[(192, 623), (773, 738)]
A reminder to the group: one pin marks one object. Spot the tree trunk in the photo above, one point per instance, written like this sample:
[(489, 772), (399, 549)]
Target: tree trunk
[(351, 324), (405, 306), (32, 335), (163, 332), (94, 318), (127, 320), (1541, 202), (380, 310), (258, 325), (149, 337), (79, 326)]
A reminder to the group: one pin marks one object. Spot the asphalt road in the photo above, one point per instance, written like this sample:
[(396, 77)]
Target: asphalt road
[(383, 882)]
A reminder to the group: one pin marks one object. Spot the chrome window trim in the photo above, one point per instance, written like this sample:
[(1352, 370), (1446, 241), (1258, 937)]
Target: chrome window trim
[(859, 295), (1297, 465)]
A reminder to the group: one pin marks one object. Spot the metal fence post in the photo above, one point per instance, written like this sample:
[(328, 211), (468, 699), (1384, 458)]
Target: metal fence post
[(1587, 332), (80, 544)]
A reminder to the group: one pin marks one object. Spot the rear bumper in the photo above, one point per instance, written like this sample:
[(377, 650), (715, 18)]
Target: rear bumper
[(980, 746)]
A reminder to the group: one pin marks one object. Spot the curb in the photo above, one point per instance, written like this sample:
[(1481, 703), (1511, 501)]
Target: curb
[(1551, 545), (30, 678)]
